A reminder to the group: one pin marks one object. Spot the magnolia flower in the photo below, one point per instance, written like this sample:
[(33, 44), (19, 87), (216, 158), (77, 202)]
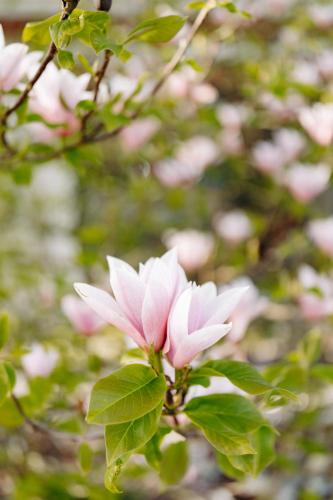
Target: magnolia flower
[(54, 98), (137, 134), (321, 232), (40, 362), (80, 315), (290, 142), (317, 300), (250, 307), (13, 63), (197, 320), (305, 182), (232, 116), (190, 162), (267, 157), (306, 73), (325, 64), (322, 15), (142, 301), (193, 247), (234, 226), (318, 122)]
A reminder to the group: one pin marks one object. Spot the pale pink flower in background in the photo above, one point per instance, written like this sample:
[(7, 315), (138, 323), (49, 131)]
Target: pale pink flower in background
[(306, 73), (82, 317), (55, 96), (251, 306), (13, 63), (321, 233), (316, 302), (204, 93), (267, 157), (305, 181), (322, 15), (232, 116), (197, 321), (138, 133), (189, 163), (318, 122), (40, 362), (325, 64), (142, 301), (233, 226), (290, 142), (283, 109), (194, 248)]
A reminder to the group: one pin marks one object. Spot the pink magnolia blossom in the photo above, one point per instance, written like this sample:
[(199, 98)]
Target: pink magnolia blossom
[(231, 141), (185, 85), (80, 315), (139, 133), (318, 122), (321, 233), (54, 98), (40, 362), (250, 307), (290, 142), (232, 116), (305, 182), (325, 64), (315, 305), (267, 157), (233, 226), (306, 73), (13, 63), (197, 321), (193, 247), (190, 162), (322, 15), (142, 301)]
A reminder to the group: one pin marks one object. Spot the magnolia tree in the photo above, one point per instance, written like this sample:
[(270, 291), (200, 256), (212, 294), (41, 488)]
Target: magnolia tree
[(218, 120)]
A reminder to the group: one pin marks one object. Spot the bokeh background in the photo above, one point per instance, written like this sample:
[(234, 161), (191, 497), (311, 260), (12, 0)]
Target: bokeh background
[(214, 168)]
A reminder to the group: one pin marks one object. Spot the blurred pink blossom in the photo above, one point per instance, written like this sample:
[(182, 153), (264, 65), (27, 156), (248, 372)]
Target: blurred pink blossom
[(194, 248), (40, 362), (142, 301), (317, 300), (290, 142), (13, 63), (197, 321), (305, 181), (250, 307), (54, 98), (322, 15), (190, 162), (232, 116), (325, 64), (138, 133), (82, 317), (306, 73), (185, 84), (233, 226), (267, 157), (321, 232), (318, 122)]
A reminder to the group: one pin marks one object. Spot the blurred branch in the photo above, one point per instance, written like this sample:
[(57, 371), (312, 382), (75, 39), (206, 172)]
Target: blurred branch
[(68, 7)]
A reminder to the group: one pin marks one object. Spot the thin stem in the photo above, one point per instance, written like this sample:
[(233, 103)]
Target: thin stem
[(99, 75)]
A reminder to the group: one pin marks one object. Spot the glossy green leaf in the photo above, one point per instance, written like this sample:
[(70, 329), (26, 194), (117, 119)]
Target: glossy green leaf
[(38, 32), (174, 462), (161, 29), (85, 457), (121, 439), (240, 374), (66, 59), (4, 383), (226, 420), (127, 394)]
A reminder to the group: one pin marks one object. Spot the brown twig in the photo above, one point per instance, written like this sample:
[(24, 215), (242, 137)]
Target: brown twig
[(99, 75), (68, 8)]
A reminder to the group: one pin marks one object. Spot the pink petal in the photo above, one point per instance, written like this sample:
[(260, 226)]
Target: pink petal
[(224, 305), (155, 311), (107, 308), (198, 341)]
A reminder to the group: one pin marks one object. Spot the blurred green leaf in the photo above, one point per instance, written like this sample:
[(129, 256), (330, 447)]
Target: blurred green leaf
[(158, 30)]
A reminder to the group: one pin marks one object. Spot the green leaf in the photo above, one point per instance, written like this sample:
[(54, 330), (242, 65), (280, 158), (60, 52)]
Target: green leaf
[(174, 462), (111, 475), (22, 174), (240, 374), (4, 329), (226, 419), (66, 59), (85, 457), (121, 439), (323, 372), (10, 374), (158, 30), (227, 468), (127, 394), (38, 32), (4, 383), (152, 450)]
